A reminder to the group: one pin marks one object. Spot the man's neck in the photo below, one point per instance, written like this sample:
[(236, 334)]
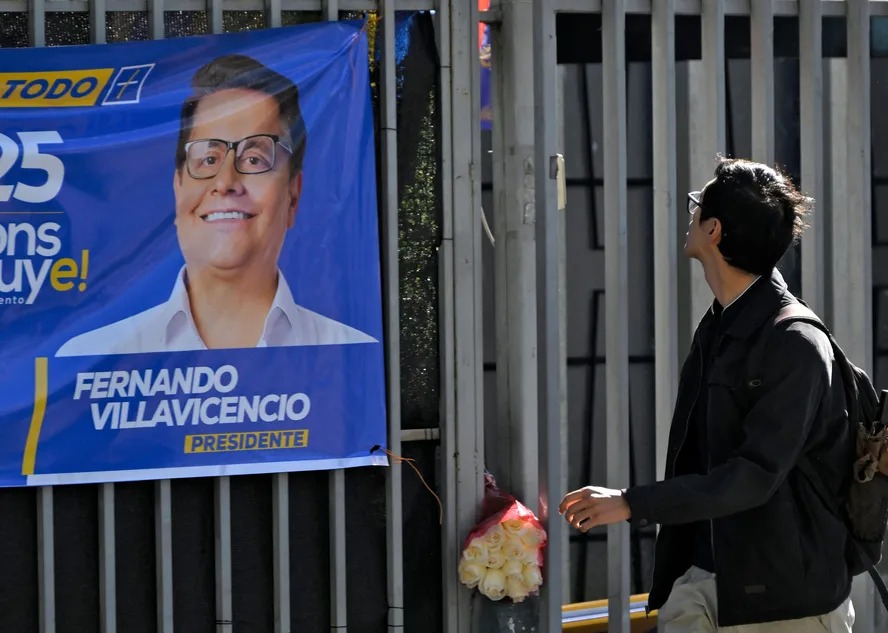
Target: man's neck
[(230, 310), (726, 282)]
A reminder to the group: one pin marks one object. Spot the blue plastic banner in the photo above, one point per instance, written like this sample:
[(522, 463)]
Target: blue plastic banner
[(189, 258)]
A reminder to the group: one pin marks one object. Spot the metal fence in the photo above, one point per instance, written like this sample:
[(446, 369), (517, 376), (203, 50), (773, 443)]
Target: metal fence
[(318, 551)]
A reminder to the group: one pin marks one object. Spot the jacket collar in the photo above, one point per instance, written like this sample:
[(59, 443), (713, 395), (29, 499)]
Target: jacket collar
[(761, 301)]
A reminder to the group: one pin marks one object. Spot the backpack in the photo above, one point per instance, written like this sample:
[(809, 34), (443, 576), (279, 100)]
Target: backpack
[(864, 510)]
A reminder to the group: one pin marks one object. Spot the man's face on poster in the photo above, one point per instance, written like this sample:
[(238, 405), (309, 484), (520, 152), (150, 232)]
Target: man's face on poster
[(231, 221)]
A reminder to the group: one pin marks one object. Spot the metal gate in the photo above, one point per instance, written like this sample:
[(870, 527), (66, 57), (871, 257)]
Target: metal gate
[(354, 549)]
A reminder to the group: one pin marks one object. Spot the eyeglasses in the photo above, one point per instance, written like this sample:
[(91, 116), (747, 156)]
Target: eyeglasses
[(252, 155), (695, 199)]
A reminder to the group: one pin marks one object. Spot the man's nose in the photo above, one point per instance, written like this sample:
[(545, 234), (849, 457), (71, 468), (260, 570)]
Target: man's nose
[(228, 178)]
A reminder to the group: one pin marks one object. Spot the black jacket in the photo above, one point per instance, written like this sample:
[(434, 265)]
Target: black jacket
[(779, 552)]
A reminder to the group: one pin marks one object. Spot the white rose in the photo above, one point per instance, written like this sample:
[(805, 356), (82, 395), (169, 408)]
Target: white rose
[(495, 559), (516, 589), (532, 576), (470, 574), (513, 526), (531, 555), (513, 567), (475, 552), (493, 585), (514, 549), (495, 537), (530, 536)]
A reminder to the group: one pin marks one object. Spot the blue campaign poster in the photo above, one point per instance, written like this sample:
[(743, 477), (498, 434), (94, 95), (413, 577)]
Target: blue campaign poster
[(189, 258)]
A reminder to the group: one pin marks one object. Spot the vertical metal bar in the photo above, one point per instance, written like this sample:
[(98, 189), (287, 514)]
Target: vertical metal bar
[(336, 489), (163, 541), (561, 526), (812, 147), (338, 545), (665, 221), (501, 55), (338, 584), (156, 29), (463, 445), (713, 24), (281, 538), (216, 22), (331, 9), (515, 276), (224, 607), (162, 491), (394, 511), (163, 500), (616, 308), (762, 73), (836, 119), (107, 560), (462, 489), (858, 214), (107, 557), (273, 18), (224, 611), (855, 316), (549, 324), (107, 553), (46, 560), (37, 23), (707, 125), (97, 21)]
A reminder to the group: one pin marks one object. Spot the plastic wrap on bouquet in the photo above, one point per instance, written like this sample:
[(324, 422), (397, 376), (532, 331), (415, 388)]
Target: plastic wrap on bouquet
[(503, 554)]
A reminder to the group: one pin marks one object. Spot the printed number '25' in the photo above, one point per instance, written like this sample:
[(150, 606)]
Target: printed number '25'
[(32, 159)]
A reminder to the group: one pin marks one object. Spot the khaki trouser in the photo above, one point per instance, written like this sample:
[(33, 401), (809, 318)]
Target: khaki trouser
[(692, 608)]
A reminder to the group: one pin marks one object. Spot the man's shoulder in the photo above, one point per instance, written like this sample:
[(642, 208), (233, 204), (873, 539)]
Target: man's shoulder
[(125, 336), (312, 328), (798, 328)]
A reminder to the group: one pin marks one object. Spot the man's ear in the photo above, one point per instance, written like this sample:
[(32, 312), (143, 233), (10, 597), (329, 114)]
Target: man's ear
[(295, 194), (715, 229)]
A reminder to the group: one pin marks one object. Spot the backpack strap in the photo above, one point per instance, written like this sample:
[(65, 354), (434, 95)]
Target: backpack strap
[(791, 313), (755, 358)]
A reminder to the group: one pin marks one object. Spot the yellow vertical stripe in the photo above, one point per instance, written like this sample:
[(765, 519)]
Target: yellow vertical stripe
[(41, 380)]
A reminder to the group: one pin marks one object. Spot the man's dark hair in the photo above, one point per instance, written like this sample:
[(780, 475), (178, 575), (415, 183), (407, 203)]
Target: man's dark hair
[(760, 210), (245, 73)]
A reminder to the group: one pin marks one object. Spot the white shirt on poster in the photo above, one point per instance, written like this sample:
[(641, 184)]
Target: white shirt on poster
[(169, 327)]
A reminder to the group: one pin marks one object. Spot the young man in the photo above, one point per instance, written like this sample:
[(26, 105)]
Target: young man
[(746, 544)]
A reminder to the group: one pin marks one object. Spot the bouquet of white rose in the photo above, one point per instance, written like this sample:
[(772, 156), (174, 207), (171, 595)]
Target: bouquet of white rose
[(503, 554)]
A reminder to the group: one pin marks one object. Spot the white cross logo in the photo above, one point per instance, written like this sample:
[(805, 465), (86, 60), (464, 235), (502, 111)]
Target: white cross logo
[(127, 76)]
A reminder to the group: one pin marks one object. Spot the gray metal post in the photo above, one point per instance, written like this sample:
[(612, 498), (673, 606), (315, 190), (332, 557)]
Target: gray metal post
[(855, 314), (46, 561), (762, 63), (107, 560), (393, 494), (666, 217), (463, 442), (616, 302), (515, 276), (280, 535), (812, 146), (549, 324)]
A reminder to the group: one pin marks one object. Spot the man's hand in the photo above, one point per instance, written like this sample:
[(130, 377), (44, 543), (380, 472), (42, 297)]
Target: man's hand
[(590, 506)]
